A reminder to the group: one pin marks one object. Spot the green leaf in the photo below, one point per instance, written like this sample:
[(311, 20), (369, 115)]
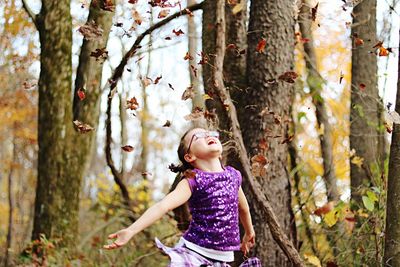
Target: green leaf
[(372, 196), (368, 203)]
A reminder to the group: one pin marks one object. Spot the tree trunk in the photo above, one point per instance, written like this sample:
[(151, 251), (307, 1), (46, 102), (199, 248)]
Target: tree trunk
[(273, 21), (364, 111), (315, 82), (392, 236), (62, 151)]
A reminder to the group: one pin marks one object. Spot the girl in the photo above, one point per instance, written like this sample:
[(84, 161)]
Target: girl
[(216, 202)]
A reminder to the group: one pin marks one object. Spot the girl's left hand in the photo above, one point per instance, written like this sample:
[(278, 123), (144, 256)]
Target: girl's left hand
[(121, 238), (248, 242)]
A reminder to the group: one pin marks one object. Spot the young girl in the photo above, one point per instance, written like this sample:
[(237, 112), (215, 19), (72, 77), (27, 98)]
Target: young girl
[(216, 202)]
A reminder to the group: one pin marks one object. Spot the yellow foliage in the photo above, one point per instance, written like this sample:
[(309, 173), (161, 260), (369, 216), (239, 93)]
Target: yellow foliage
[(312, 259)]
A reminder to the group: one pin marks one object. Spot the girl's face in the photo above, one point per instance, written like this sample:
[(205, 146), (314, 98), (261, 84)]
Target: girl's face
[(203, 144)]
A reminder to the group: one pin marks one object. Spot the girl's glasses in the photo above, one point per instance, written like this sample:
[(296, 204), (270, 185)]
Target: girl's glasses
[(201, 135)]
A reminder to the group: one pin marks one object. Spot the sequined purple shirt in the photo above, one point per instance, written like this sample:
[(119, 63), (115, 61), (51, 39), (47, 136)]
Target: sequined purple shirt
[(214, 208)]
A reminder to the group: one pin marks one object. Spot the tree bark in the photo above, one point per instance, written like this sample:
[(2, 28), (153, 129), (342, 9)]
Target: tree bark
[(63, 151), (315, 82), (273, 21), (364, 110), (392, 233)]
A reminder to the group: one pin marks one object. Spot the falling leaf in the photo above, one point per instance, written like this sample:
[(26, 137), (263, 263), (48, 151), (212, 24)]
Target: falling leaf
[(81, 94), (261, 45), (127, 148), (314, 12), (288, 139), (231, 46), (194, 70), (139, 59), (204, 58), (324, 209), (238, 7), (170, 86), (132, 104), (167, 38), (146, 81), (362, 86), (383, 52), (188, 93), (100, 54), (304, 40), (167, 123), (163, 13), (137, 17), (359, 41), (108, 5), (341, 77), (82, 127), (378, 44), (91, 31), (196, 114), (178, 32), (392, 117), (207, 97), (288, 76), (188, 56), (368, 203), (157, 79), (132, 1)]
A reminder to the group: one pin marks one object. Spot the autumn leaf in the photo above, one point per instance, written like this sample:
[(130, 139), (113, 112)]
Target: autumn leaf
[(261, 45), (91, 31), (288, 76), (288, 139), (178, 32), (383, 52), (163, 13), (207, 97), (167, 38), (127, 148), (108, 5), (167, 123), (238, 7), (100, 54), (194, 70), (359, 41), (82, 127), (81, 94), (196, 114), (314, 12), (137, 17), (188, 93), (204, 58), (188, 56), (170, 86), (259, 164), (304, 40), (146, 81), (341, 77), (392, 117), (132, 1), (313, 260), (324, 209), (132, 104), (362, 86), (157, 79), (378, 44)]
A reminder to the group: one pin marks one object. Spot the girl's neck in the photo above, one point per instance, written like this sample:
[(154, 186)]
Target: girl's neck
[(212, 165)]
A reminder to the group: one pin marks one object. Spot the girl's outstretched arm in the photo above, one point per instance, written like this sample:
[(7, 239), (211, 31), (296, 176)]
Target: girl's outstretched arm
[(179, 196), (245, 218)]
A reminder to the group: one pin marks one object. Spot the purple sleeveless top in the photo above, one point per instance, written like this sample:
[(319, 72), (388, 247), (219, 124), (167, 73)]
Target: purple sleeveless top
[(214, 208)]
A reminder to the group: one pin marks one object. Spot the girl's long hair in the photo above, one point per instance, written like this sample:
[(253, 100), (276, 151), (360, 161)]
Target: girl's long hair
[(182, 149)]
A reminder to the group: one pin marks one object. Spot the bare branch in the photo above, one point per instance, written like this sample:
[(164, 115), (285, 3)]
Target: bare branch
[(279, 236), (32, 15)]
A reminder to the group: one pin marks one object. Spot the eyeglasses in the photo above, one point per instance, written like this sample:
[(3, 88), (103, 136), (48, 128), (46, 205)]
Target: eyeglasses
[(202, 135)]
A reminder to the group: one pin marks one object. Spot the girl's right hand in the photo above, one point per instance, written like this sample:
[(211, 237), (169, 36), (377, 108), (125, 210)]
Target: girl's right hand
[(121, 238)]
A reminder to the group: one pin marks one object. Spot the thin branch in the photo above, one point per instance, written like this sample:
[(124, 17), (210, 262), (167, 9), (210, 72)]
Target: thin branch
[(120, 69), (32, 15), (277, 233), (118, 177)]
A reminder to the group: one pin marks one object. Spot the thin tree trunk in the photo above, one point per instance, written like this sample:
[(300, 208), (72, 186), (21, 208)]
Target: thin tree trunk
[(315, 82), (198, 100), (8, 246), (392, 233), (364, 110)]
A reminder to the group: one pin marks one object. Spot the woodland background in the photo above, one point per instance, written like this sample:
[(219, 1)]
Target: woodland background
[(95, 95)]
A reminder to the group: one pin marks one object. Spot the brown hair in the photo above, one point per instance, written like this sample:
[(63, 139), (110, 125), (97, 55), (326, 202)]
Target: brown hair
[(181, 168)]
